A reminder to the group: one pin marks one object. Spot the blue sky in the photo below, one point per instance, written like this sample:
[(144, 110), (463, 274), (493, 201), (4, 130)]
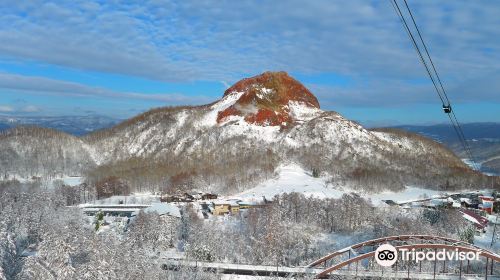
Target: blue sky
[(120, 58)]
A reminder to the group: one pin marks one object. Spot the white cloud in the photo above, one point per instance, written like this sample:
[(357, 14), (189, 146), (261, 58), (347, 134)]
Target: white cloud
[(44, 85), (30, 109), (228, 40), (6, 109)]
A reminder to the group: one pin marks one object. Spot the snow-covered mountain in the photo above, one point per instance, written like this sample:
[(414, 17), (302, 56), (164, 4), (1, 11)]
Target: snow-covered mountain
[(238, 141)]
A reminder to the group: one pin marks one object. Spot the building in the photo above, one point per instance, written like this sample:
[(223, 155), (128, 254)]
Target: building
[(208, 196), (117, 210), (487, 203), (163, 209), (185, 197), (479, 221), (250, 204), (226, 207), (188, 197)]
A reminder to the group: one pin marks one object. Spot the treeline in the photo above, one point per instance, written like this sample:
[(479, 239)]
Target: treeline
[(41, 238), (155, 114), (209, 172), (294, 229), (34, 151)]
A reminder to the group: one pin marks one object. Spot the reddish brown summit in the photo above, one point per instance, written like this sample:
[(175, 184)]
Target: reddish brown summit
[(265, 99)]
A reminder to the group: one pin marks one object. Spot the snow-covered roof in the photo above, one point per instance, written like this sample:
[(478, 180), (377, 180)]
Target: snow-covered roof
[(164, 209), (249, 202), (475, 218), (438, 202), (232, 202), (466, 200)]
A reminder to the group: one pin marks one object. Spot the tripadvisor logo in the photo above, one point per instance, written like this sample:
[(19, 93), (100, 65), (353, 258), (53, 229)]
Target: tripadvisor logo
[(387, 255)]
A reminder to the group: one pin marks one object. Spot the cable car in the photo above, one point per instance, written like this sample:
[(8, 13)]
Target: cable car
[(447, 109)]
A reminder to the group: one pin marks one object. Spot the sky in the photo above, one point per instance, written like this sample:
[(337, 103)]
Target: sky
[(121, 58)]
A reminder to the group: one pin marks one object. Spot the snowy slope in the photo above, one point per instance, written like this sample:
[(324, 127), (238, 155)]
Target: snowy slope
[(293, 178)]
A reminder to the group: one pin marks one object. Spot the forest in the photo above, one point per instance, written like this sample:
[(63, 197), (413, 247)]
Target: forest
[(43, 236)]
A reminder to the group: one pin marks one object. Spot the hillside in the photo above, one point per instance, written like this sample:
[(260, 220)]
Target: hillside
[(240, 140), (35, 151), (483, 139)]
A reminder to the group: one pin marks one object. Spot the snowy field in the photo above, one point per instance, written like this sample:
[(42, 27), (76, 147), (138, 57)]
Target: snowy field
[(293, 178)]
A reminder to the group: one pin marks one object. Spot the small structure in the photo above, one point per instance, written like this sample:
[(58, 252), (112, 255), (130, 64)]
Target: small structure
[(117, 210), (479, 221), (390, 202), (208, 196), (185, 197), (469, 203), (226, 207), (487, 203), (439, 202), (193, 195), (188, 197), (163, 209), (250, 204)]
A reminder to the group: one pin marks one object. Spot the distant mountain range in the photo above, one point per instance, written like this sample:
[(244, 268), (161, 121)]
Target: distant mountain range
[(75, 125), (483, 138)]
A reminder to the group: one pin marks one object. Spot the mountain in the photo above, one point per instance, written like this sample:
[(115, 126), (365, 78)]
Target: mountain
[(483, 139), (267, 99), (75, 125), (235, 143)]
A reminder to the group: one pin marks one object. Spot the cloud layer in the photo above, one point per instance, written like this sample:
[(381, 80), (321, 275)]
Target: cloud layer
[(48, 86), (187, 41)]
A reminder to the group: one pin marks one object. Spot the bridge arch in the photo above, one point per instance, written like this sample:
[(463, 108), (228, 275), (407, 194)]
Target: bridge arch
[(378, 241), (423, 242)]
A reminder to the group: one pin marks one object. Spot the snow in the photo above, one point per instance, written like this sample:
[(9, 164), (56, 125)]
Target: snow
[(72, 181), (236, 126), (264, 92), (164, 209), (135, 198), (407, 195), (302, 112), (181, 118), (471, 219), (291, 178), (210, 119), (394, 139), (219, 266), (483, 240)]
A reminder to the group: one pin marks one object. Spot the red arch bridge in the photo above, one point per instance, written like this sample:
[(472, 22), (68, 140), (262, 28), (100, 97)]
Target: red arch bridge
[(358, 261)]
